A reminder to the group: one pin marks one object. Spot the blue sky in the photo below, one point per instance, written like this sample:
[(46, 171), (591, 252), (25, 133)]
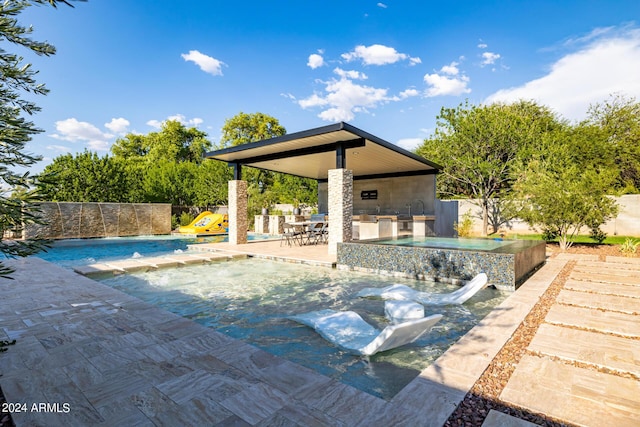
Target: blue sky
[(385, 67)]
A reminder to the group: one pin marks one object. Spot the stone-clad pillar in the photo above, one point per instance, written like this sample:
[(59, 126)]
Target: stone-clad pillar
[(340, 207), (237, 212)]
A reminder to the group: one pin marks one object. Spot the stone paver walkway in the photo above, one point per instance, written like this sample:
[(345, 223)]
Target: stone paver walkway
[(583, 365)]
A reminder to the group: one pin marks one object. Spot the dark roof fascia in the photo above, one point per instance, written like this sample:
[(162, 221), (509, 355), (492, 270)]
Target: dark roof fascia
[(319, 131), (284, 138), (389, 145), (353, 143)]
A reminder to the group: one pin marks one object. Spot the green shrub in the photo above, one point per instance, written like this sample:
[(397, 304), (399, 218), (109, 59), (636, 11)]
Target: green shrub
[(464, 228), (186, 218), (598, 235), (549, 235), (629, 247)]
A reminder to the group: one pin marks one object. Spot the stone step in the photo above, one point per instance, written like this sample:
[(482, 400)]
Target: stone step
[(146, 264), (605, 277), (623, 270), (600, 301), (601, 350), (594, 319), (603, 288), (577, 396)]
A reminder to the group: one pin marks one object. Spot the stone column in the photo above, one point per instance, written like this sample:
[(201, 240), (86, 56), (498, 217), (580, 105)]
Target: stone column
[(261, 224), (340, 207), (237, 212)]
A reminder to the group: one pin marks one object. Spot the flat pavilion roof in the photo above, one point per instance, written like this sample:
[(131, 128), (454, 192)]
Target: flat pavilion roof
[(312, 153)]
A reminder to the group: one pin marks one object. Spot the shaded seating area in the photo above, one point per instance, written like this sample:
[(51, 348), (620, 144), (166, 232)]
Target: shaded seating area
[(304, 233), (405, 293), (348, 331)]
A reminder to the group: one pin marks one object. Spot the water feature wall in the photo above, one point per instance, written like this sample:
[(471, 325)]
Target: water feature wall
[(71, 220)]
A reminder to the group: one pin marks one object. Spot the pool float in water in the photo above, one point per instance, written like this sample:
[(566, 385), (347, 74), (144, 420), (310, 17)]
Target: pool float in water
[(347, 330), (405, 293)]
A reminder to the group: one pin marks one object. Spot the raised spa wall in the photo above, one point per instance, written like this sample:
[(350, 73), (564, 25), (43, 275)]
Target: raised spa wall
[(71, 220), (506, 267)]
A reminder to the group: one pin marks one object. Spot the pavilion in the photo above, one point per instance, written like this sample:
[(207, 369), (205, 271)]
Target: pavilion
[(344, 160)]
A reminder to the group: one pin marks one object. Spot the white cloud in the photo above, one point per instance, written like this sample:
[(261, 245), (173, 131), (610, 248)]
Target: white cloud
[(59, 148), (482, 45), (378, 54), (409, 93), (344, 97), (409, 143), (315, 61), (75, 131), (195, 122), (119, 125), (382, 5), (451, 69), (609, 63), (489, 58), (443, 85), (206, 63)]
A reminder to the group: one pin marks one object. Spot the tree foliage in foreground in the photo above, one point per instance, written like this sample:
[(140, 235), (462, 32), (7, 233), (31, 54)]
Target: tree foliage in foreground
[(17, 86)]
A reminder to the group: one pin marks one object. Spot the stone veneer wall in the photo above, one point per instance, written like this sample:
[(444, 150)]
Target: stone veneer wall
[(340, 207), (507, 268), (72, 220), (238, 224)]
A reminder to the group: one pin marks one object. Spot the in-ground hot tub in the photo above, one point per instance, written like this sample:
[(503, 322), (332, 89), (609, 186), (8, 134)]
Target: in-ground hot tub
[(508, 263)]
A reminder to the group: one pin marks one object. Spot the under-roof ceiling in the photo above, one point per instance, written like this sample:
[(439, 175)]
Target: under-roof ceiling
[(312, 153)]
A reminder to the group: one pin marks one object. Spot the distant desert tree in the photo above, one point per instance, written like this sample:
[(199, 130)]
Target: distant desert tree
[(243, 128), (619, 120), (18, 198), (265, 187), (478, 146), (559, 191)]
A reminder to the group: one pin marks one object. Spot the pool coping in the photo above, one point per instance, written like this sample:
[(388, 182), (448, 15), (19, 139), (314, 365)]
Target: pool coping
[(49, 304)]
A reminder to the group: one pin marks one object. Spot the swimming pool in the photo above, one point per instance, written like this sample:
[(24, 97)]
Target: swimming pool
[(77, 252), (250, 300), (446, 243)]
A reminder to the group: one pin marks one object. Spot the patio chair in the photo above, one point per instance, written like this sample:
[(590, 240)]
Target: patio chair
[(290, 234), (404, 293), (347, 330), (316, 233)]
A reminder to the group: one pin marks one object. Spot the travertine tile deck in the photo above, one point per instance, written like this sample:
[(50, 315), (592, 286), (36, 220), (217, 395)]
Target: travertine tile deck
[(119, 361), (583, 365)]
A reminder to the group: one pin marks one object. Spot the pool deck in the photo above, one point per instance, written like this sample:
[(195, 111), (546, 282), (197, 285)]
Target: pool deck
[(116, 360)]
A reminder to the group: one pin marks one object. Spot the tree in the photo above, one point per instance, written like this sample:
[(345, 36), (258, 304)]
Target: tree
[(86, 177), (243, 128), (559, 192), (478, 146), (17, 80), (619, 120), (173, 142)]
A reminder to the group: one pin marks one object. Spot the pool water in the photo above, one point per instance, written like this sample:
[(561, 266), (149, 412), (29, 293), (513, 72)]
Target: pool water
[(76, 252), (446, 243), (250, 299)]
